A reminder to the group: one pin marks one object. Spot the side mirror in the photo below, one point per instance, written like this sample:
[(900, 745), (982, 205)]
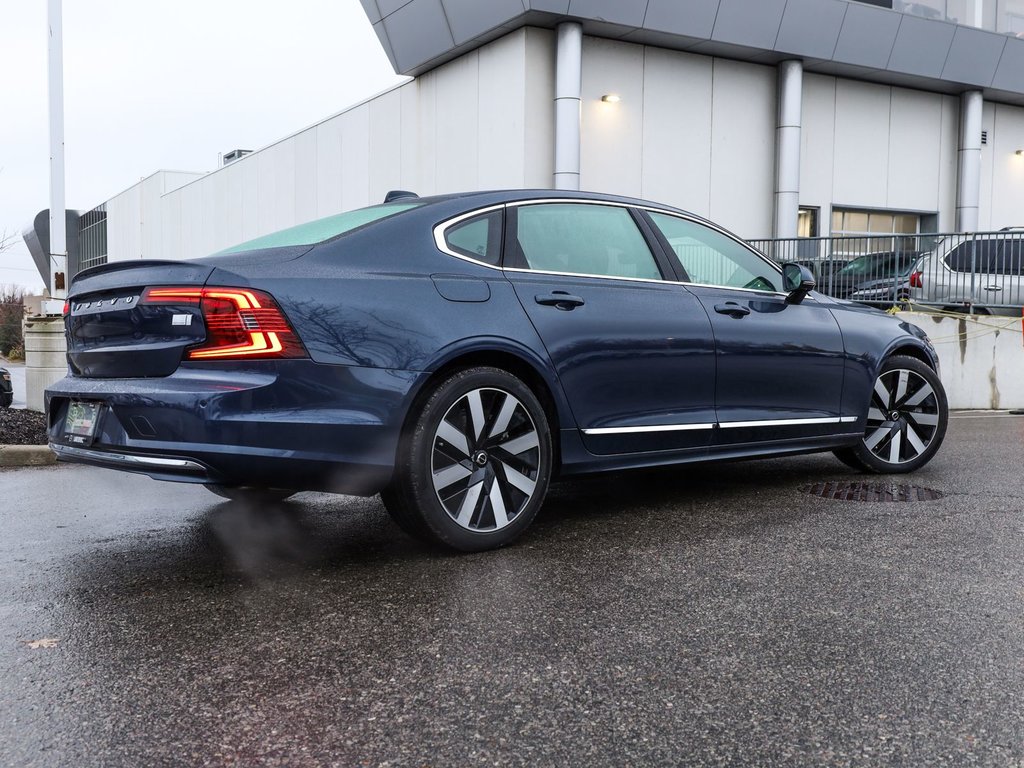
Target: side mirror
[(798, 280)]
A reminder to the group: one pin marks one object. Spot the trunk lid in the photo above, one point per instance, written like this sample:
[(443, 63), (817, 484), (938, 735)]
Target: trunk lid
[(111, 335)]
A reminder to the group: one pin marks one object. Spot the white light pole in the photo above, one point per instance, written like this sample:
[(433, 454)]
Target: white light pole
[(58, 227)]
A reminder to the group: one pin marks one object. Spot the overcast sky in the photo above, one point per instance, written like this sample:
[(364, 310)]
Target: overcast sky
[(167, 84)]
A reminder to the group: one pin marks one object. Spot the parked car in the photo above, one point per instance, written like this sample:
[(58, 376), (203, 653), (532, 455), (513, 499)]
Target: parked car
[(880, 279), (983, 272), (6, 389), (823, 269), (458, 353)]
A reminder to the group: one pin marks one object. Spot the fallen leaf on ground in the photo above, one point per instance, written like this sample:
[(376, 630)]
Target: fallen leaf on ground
[(43, 642)]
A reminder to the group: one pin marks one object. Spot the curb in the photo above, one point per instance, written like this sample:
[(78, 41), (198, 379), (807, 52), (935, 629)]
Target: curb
[(26, 456)]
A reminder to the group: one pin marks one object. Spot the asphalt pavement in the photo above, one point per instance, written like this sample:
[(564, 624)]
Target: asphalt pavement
[(713, 615)]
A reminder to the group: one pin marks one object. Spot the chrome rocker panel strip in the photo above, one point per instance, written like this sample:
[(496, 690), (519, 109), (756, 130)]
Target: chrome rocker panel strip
[(722, 425)]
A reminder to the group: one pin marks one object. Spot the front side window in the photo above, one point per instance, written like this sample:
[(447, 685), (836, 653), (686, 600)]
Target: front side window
[(583, 239), (712, 258)]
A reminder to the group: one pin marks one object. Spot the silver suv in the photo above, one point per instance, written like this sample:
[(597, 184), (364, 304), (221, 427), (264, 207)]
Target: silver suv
[(973, 270)]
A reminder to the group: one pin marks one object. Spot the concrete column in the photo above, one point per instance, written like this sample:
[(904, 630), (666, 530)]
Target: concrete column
[(968, 187), (787, 148), (45, 360), (568, 85)]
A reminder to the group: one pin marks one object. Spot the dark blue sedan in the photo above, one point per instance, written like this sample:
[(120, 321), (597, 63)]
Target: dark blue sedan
[(458, 353)]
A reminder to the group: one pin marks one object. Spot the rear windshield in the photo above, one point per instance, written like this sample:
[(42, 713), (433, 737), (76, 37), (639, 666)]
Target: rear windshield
[(322, 229)]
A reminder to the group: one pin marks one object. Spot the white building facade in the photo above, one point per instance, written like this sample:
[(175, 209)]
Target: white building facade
[(771, 117)]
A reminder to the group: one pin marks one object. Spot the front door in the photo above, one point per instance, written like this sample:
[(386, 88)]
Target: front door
[(779, 367)]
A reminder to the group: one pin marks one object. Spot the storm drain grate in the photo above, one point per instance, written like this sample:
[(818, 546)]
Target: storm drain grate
[(871, 492)]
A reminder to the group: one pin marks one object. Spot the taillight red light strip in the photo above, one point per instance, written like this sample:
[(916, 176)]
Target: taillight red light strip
[(240, 323)]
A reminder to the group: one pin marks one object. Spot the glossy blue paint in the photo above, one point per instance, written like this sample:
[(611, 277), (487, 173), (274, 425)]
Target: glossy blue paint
[(381, 310)]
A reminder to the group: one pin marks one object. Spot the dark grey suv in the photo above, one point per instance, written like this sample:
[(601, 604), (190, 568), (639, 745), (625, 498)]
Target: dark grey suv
[(6, 389)]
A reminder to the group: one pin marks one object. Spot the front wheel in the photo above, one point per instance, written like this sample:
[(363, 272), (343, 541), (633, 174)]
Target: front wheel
[(906, 420), (474, 467)]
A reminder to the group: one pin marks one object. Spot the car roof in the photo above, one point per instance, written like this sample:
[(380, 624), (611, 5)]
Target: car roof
[(498, 196)]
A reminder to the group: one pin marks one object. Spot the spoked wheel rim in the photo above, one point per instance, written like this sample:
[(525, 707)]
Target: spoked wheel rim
[(903, 417), (485, 460)]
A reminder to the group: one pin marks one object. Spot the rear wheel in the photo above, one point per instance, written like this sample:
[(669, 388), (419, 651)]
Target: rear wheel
[(906, 420), (474, 468), (250, 493)]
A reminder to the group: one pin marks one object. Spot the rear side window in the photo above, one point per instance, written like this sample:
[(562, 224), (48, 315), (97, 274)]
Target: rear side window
[(711, 258), (582, 239), (1012, 261), (478, 238), (977, 255)]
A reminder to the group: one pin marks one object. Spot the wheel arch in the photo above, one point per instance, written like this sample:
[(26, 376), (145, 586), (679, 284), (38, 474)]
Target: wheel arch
[(521, 363), (909, 350)]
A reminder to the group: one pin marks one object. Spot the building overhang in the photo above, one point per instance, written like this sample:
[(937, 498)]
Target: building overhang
[(835, 37)]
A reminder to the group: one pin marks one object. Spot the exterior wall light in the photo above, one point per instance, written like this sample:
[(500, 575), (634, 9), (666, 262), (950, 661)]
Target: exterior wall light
[(614, 98)]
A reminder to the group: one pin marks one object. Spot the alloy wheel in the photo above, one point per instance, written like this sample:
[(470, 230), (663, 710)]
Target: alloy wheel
[(903, 417), (485, 459)]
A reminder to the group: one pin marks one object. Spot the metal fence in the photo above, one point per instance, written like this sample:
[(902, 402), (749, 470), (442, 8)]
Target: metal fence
[(966, 272), (92, 238)]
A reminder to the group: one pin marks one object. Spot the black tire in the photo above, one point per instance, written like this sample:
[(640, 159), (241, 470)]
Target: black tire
[(6, 400), (904, 432), (249, 493), (474, 463)]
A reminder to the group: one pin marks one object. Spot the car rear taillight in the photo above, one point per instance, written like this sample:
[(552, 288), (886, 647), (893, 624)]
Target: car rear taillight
[(917, 279), (240, 323)]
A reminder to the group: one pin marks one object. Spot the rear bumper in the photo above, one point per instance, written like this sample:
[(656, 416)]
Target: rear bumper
[(291, 424)]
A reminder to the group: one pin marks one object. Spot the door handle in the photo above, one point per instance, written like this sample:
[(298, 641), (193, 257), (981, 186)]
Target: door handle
[(560, 300), (732, 309), (993, 288)]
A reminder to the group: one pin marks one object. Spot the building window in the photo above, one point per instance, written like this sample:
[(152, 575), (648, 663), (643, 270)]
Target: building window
[(807, 221), (852, 222), (866, 231)]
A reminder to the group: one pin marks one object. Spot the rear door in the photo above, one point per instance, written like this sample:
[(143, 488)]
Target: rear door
[(779, 366), (635, 358)]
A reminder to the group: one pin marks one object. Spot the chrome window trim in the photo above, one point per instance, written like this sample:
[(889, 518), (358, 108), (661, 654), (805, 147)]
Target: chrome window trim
[(720, 425), (442, 245)]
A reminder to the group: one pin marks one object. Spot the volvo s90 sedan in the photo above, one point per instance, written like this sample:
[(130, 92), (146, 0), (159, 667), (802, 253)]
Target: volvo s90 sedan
[(457, 353)]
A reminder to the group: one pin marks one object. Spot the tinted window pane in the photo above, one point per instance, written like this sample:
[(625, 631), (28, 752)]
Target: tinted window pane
[(981, 256), (584, 239), (323, 229), (711, 258), (477, 238), (1012, 261)]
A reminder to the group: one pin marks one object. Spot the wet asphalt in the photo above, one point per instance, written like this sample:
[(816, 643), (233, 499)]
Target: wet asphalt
[(712, 615)]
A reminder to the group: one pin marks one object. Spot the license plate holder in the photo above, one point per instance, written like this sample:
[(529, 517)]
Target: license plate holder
[(81, 422)]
